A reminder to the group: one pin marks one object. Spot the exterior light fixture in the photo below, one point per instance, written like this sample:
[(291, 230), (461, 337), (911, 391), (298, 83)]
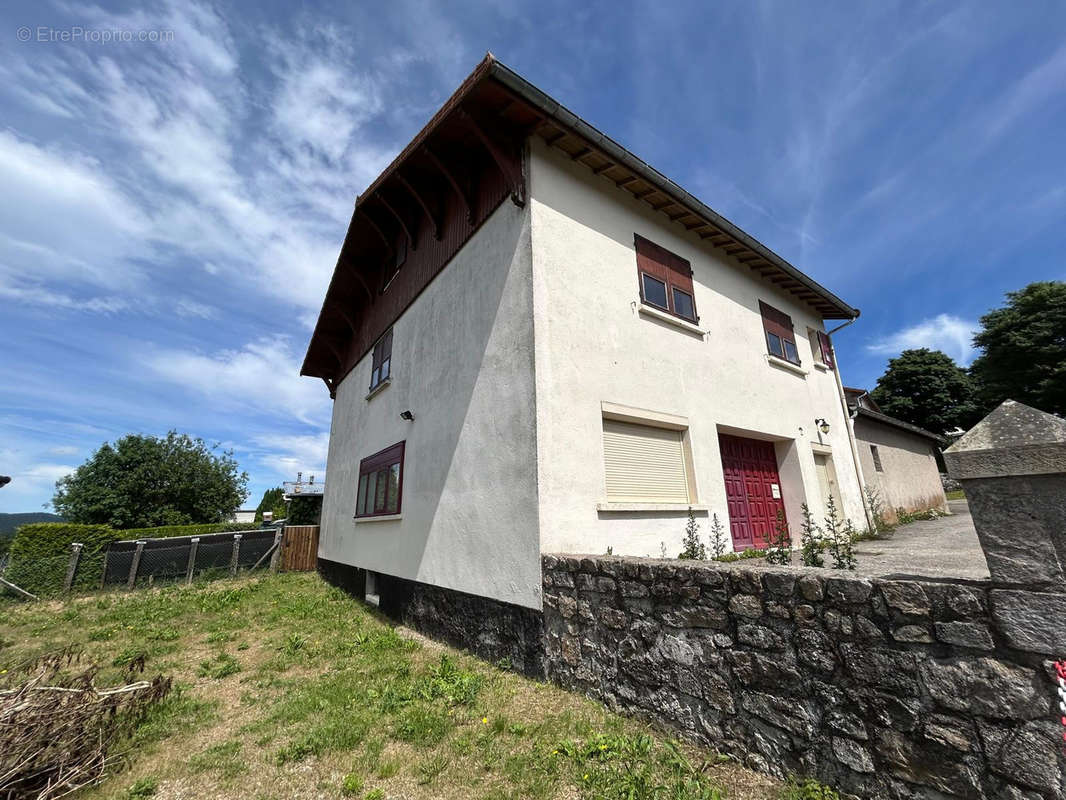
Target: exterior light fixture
[(407, 415), (823, 426)]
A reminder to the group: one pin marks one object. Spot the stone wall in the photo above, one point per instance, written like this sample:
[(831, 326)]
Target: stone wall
[(882, 688)]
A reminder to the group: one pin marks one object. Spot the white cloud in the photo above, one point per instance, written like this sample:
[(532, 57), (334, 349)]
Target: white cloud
[(35, 295), (190, 308), (263, 375), (288, 454), (949, 334)]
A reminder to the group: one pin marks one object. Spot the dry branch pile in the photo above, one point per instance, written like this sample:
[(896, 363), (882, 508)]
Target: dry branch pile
[(58, 731)]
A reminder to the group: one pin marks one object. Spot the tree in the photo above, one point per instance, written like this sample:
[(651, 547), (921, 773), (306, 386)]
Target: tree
[(273, 501), (926, 388), (145, 481), (1024, 349)]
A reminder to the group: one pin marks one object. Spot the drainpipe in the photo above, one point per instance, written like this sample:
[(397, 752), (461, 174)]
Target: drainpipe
[(849, 422)]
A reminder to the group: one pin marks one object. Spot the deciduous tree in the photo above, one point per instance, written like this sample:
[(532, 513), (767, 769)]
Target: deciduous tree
[(926, 388), (145, 481)]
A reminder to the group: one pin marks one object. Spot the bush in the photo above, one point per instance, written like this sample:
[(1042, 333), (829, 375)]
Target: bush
[(51, 539), (170, 531)]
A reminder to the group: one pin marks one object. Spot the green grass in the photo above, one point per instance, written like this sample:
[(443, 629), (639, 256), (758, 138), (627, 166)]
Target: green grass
[(958, 494), (285, 686)]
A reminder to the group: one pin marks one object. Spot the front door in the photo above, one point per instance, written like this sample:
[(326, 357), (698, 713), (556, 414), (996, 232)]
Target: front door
[(752, 489), (827, 478)]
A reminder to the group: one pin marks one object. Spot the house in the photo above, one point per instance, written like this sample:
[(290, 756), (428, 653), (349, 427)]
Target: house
[(537, 343), (243, 515), (898, 460)]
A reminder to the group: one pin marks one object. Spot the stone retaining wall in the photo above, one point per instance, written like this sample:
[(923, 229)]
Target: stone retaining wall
[(882, 688)]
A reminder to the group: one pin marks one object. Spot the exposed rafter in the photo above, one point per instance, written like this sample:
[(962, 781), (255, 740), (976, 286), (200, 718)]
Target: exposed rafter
[(421, 202), (411, 241), (389, 247), (514, 177), (452, 181)]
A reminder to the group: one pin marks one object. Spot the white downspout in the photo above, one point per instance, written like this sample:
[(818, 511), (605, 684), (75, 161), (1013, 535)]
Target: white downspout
[(849, 421)]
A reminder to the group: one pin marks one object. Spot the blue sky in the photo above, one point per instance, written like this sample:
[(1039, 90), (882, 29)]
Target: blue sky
[(170, 211)]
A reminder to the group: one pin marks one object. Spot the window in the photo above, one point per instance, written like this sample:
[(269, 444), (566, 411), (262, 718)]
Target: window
[(644, 464), (381, 361), (780, 339), (821, 348), (877, 458), (665, 280), (380, 483), (392, 267)]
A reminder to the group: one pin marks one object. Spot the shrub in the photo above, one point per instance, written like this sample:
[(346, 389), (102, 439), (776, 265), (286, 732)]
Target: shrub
[(741, 555), (51, 539), (780, 550), (171, 531), (717, 538), (811, 540), (693, 548)]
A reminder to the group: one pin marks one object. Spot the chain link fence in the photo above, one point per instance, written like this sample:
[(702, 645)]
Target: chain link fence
[(142, 563)]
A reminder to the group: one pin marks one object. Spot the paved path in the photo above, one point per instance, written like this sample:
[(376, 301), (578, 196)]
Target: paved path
[(945, 547)]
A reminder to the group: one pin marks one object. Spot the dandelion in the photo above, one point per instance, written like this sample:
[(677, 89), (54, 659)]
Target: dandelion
[(585, 777), (484, 720)]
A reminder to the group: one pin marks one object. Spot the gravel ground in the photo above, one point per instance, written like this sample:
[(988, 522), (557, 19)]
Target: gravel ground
[(943, 548)]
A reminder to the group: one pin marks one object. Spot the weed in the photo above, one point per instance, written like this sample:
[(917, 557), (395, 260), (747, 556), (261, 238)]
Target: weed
[(840, 537), (221, 666), (430, 769), (741, 555), (881, 525), (422, 726), (448, 682), (141, 788), (957, 494), (222, 759), (808, 789), (351, 785), (127, 656), (375, 794), (388, 768)]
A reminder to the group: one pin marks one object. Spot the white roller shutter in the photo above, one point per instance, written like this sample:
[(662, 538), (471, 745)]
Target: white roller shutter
[(644, 464)]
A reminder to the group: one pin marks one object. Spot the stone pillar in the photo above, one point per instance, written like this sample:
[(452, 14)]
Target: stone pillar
[(1012, 466)]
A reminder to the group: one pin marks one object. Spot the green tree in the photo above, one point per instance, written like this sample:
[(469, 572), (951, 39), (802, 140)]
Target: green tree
[(926, 388), (273, 501), (145, 481), (1024, 349)]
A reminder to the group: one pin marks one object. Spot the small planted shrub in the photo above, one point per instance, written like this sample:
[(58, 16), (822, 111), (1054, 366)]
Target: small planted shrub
[(718, 540), (810, 540), (692, 547), (839, 536), (780, 550)]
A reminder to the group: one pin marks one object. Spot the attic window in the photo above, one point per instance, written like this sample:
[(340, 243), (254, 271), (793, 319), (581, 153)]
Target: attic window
[(399, 256), (665, 280)]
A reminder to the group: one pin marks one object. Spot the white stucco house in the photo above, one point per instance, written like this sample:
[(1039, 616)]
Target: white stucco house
[(537, 343)]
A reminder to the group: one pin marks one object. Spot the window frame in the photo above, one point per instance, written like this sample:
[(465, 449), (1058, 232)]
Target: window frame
[(875, 454), (778, 324), (656, 262), (379, 359), (371, 466)]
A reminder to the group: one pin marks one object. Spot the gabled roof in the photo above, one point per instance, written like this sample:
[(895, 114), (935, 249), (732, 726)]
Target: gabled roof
[(857, 403), (498, 96)]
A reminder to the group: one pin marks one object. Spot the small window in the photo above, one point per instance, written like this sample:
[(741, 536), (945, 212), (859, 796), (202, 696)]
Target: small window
[(392, 266), (665, 280), (780, 338), (877, 458), (381, 361), (381, 483)]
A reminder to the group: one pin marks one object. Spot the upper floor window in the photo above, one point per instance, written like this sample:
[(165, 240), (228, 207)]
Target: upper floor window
[(665, 280), (381, 361), (780, 338), (876, 454), (821, 347), (381, 482)]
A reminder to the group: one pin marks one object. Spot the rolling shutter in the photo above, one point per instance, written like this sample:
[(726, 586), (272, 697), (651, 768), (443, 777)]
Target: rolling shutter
[(644, 464)]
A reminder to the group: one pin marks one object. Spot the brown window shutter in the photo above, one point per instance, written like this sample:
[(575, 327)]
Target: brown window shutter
[(776, 322), (660, 262), (827, 350)]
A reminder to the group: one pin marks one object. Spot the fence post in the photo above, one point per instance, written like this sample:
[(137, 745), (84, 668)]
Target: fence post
[(72, 567), (276, 557), (135, 564), (236, 555), (193, 546)]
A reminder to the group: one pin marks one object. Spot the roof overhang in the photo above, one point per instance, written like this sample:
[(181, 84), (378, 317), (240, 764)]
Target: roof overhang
[(518, 107), (885, 419)]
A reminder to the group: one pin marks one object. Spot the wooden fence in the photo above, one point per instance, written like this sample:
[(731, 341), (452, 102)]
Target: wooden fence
[(299, 548)]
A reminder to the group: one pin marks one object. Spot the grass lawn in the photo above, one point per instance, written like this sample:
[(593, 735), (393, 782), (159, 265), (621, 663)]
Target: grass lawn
[(958, 494), (288, 688)]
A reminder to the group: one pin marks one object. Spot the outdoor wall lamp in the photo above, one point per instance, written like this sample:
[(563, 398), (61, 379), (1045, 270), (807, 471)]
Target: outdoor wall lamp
[(407, 415), (823, 426)]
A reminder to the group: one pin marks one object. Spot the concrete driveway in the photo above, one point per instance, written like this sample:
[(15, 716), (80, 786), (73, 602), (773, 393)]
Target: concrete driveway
[(943, 548)]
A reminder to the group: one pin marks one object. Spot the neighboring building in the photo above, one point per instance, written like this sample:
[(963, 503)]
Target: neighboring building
[(537, 343), (243, 515), (303, 499), (899, 460)]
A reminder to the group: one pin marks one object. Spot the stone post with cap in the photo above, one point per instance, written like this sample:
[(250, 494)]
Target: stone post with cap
[(1012, 466)]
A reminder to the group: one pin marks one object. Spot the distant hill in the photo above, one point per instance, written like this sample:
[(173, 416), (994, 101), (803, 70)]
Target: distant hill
[(8, 522)]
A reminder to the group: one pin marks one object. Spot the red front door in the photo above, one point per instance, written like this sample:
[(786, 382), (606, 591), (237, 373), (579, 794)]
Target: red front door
[(751, 483)]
